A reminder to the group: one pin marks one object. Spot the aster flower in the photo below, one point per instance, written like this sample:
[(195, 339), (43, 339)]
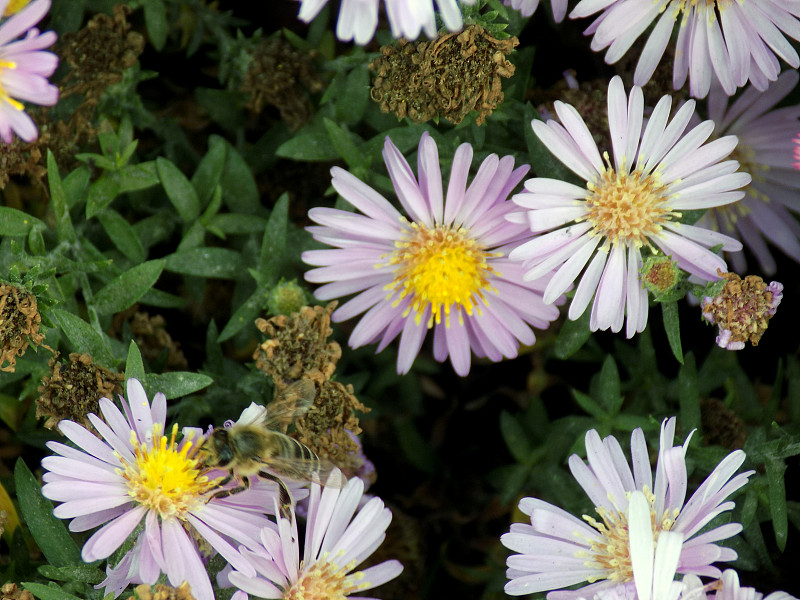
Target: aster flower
[(358, 19), (726, 588), (558, 550), (630, 206), (336, 542), (137, 472), (528, 7), (446, 269), (24, 69), (729, 41), (765, 150)]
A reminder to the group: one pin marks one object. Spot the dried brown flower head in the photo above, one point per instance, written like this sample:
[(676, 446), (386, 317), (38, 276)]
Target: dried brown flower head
[(742, 309), (11, 591), (330, 427), (154, 340), (72, 390), (19, 324), (279, 75), (298, 346), (161, 592), (721, 425), (449, 76)]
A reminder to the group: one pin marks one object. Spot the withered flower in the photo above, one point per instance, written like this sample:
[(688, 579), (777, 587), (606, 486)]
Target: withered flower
[(161, 592), (742, 309), (11, 591), (72, 390), (19, 324), (298, 346), (450, 76)]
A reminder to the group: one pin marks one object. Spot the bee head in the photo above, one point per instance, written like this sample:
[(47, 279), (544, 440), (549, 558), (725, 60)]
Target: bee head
[(218, 449)]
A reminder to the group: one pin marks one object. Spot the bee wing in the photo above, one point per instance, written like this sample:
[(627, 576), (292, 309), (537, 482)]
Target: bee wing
[(294, 460), (293, 402)]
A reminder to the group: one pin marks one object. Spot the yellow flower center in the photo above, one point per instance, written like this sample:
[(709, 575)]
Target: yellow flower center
[(627, 208), (164, 477), (442, 268), (612, 552), (14, 6), (325, 581)]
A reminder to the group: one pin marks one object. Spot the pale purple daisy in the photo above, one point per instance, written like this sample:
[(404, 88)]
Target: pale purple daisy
[(24, 69), (726, 588), (626, 208), (338, 538), (447, 269), (528, 7), (765, 150), (558, 550), (136, 473), (730, 41), (358, 19)]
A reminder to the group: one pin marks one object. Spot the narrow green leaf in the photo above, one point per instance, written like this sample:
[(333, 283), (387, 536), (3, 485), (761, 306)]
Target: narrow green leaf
[(344, 143), (273, 245), (209, 172), (84, 337), (239, 187), (75, 185), (350, 105), (245, 314), (315, 145), (101, 193), (58, 201), (134, 367), (588, 404), (232, 223), (179, 190), (220, 263), (49, 532), (672, 326), (16, 222), (573, 336), (776, 469), (155, 19), (609, 393), (81, 573), (176, 384), (50, 591), (122, 235), (689, 395), (162, 299), (414, 446), (123, 291), (137, 177), (515, 437)]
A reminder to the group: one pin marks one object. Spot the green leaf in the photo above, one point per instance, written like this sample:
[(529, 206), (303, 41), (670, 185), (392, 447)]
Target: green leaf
[(179, 190), (344, 143), (223, 106), (155, 19), (515, 437), (314, 145), (245, 314), (58, 201), (689, 395), (672, 326), (124, 290), (136, 177), (134, 367), (352, 102), (588, 404), (16, 222), (573, 336), (232, 223), (101, 193), (777, 499), (220, 263), (273, 244), (609, 394), (414, 446), (209, 172), (50, 591), (238, 184), (122, 235), (175, 384), (49, 532), (84, 337), (162, 299), (81, 573)]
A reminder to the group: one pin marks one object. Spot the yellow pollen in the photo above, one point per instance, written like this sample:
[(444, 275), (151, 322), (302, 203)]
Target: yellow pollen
[(7, 64), (442, 268), (627, 208), (14, 6), (325, 581), (164, 477), (612, 552)]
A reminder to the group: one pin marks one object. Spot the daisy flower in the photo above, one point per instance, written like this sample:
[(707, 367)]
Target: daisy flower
[(358, 19), (729, 41), (335, 543), (632, 205), (447, 269), (558, 550), (528, 7), (726, 588), (765, 150), (24, 69), (138, 473)]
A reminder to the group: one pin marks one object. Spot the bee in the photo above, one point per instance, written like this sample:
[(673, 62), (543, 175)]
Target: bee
[(254, 446)]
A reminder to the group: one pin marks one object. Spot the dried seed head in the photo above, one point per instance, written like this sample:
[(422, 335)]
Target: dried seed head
[(161, 592), (19, 324)]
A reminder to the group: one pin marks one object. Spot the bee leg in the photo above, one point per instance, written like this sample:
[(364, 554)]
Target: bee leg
[(244, 484), (284, 497)]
